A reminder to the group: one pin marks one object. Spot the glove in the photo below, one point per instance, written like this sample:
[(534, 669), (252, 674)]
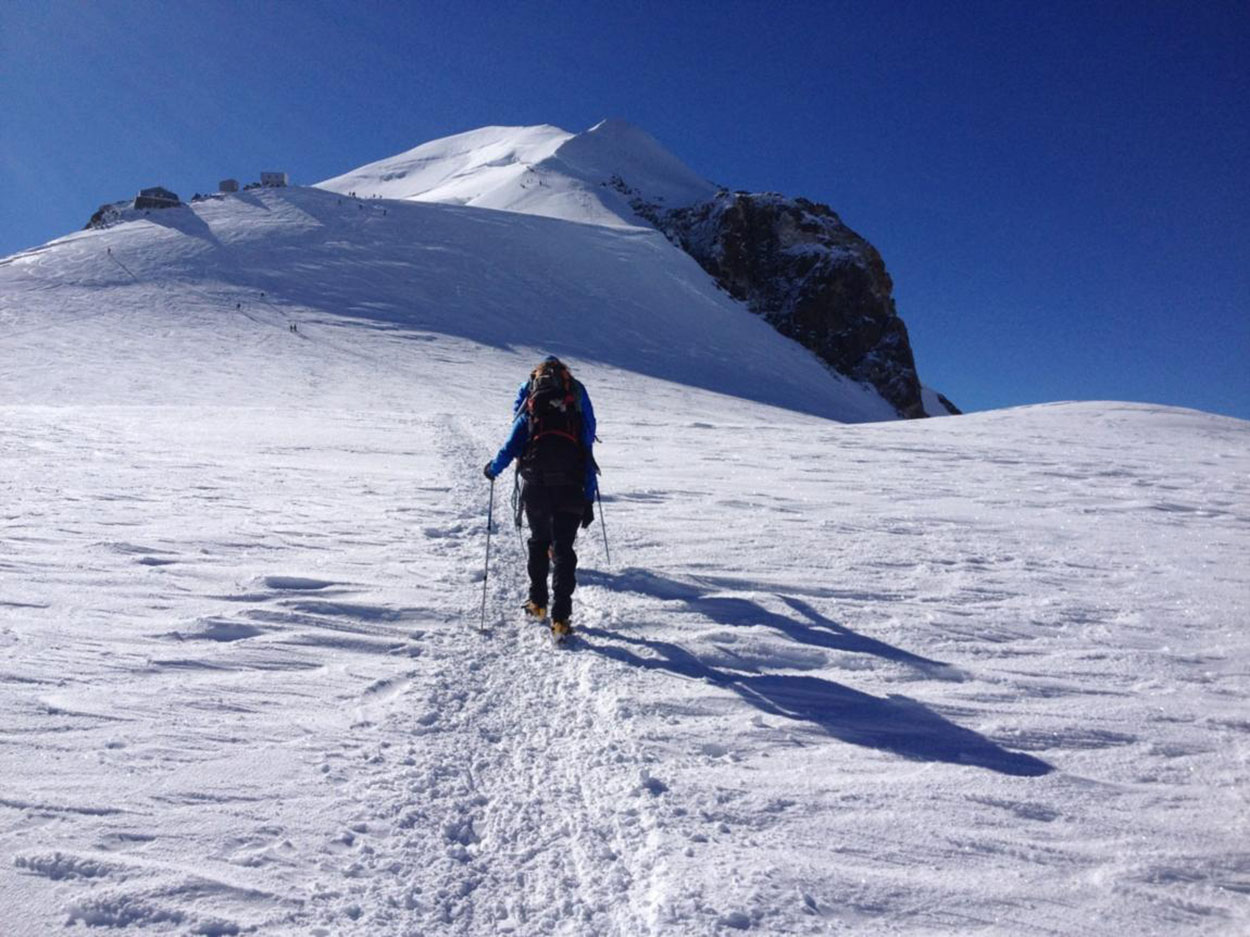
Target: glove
[(487, 471), (588, 514)]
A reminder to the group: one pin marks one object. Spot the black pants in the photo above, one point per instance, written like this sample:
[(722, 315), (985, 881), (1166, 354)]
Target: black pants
[(554, 514)]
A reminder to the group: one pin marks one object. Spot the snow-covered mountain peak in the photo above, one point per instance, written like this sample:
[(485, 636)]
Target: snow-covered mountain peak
[(591, 177), (792, 261), (459, 169), (616, 153)]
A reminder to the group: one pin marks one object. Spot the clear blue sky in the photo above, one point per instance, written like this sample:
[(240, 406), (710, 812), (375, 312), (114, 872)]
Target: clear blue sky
[(1061, 191)]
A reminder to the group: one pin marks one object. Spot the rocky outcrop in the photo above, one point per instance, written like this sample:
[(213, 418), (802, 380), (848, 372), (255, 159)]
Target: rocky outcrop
[(108, 215), (796, 264), (147, 200)]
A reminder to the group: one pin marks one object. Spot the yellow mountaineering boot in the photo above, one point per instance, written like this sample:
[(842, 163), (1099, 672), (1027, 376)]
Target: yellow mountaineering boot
[(534, 610), (560, 629)]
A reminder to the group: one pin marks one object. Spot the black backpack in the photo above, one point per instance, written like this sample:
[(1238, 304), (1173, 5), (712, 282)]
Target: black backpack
[(554, 454)]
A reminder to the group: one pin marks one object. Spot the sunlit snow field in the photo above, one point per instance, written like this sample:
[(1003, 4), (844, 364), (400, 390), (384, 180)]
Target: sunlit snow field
[(984, 674)]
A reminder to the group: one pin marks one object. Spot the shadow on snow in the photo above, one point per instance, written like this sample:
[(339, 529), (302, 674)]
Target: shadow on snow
[(184, 221), (894, 723)]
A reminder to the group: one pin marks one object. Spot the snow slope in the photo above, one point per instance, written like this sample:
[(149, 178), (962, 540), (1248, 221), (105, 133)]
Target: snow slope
[(625, 298), (984, 674), (539, 170)]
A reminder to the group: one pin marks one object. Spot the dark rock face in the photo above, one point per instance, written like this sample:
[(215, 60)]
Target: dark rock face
[(795, 263), (107, 215)]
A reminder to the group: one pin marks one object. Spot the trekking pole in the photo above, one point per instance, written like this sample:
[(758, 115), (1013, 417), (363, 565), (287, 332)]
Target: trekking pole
[(516, 508), (490, 513), (603, 526)]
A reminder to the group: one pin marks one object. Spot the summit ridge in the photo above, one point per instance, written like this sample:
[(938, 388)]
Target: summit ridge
[(791, 261)]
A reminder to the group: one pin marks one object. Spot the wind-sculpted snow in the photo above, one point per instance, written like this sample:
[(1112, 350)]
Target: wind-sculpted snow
[(984, 674), (539, 170)]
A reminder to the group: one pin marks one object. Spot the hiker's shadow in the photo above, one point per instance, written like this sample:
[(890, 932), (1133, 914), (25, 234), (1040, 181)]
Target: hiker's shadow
[(894, 723)]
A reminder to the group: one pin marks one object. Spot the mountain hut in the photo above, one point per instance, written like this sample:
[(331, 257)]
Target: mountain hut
[(156, 197)]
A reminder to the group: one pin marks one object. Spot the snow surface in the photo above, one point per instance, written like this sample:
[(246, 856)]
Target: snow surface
[(977, 675), (539, 170)]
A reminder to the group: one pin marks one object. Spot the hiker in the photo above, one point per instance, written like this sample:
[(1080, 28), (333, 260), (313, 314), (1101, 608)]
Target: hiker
[(553, 434)]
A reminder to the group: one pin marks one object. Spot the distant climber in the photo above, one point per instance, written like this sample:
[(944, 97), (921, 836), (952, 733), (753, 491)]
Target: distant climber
[(552, 438)]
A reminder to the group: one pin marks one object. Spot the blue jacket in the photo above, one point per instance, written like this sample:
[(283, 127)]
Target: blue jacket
[(520, 436)]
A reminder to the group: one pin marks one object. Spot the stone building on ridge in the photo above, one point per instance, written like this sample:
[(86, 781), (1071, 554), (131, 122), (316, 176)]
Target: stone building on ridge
[(156, 197)]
